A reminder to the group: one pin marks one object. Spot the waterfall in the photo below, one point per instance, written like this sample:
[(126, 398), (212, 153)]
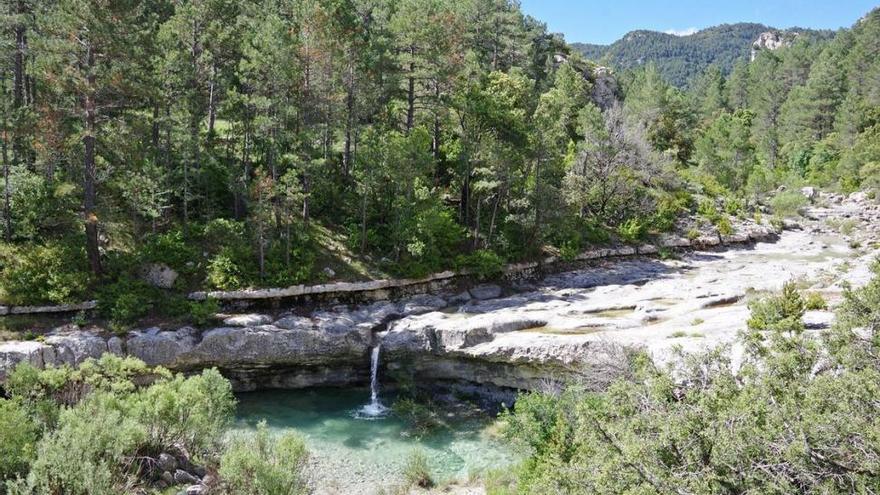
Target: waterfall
[(374, 409), (374, 375)]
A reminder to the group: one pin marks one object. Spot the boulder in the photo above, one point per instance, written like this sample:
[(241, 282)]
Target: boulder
[(809, 192), (114, 345), (161, 348), (75, 347), (13, 353), (485, 291), (181, 477), (166, 462), (159, 275)]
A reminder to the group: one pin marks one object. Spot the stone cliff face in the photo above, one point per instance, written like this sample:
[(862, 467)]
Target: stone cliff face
[(772, 40)]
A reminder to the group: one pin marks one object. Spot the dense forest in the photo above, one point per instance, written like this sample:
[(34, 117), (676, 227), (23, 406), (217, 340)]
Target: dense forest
[(680, 59), (246, 143)]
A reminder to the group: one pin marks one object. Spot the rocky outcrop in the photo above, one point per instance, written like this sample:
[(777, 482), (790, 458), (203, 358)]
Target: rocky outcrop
[(605, 91), (518, 334), (772, 40), (159, 275)]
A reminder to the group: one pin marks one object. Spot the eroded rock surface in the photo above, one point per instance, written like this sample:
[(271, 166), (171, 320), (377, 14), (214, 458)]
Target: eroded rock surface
[(569, 324)]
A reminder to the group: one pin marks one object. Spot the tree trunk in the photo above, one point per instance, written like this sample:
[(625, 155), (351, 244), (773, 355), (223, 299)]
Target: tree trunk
[(212, 103), (364, 224), (18, 85), (349, 120), (90, 172), (7, 212), (411, 93), (154, 135)]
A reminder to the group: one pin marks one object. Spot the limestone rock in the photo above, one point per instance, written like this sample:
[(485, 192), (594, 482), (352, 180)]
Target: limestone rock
[(75, 347), (181, 477), (114, 345), (159, 275), (809, 192), (166, 462), (485, 291), (248, 320), (160, 348), (294, 322), (13, 353)]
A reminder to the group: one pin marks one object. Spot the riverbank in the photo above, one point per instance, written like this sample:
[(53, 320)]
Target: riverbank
[(516, 335)]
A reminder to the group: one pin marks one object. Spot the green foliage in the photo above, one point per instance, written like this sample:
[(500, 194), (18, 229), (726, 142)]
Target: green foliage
[(101, 420), (773, 426), (18, 438), (54, 272), (482, 263), (265, 465), (814, 301), (631, 231), (127, 300), (788, 203), (203, 312), (416, 471)]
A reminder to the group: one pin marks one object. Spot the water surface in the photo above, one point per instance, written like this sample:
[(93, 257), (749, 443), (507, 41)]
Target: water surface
[(351, 455)]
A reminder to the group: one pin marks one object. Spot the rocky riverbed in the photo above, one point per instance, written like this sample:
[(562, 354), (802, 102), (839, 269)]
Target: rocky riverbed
[(513, 337)]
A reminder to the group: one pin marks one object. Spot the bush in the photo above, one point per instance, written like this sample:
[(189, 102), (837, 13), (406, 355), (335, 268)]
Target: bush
[(482, 263), (18, 437), (416, 472), (773, 425), (226, 270), (264, 465), (54, 273), (171, 249), (814, 302), (204, 312), (103, 423), (788, 203), (724, 227), (127, 300), (631, 231)]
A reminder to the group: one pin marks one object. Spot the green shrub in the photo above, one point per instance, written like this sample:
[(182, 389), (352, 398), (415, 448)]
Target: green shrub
[(18, 437), (54, 273), (708, 210), (416, 471), (482, 263), (171, 249), (814, 301), (724, 227), (225, 271), (788, 203), (127, 300), (658, 431), (105, 420), (631, 231), (669, 208), (202, 313), (264, 465)]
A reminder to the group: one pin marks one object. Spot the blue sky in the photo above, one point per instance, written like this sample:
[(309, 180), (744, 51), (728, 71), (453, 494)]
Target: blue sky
[(604, 21)]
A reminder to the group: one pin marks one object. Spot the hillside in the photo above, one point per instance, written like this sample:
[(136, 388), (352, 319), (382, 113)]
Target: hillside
[(680, 58)]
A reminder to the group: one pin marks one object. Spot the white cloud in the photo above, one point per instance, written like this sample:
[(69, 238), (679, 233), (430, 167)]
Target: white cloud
[(682, 32)]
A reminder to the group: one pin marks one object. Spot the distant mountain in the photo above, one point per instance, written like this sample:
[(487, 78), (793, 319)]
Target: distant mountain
[(680, 58)]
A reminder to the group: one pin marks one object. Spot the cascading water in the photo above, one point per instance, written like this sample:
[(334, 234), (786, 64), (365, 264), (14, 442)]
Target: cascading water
[(374, 409)]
